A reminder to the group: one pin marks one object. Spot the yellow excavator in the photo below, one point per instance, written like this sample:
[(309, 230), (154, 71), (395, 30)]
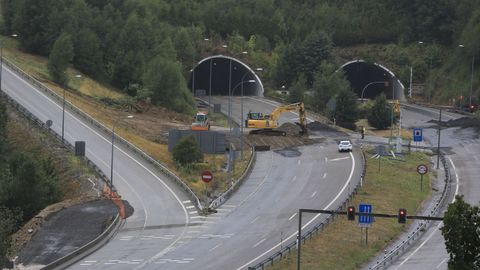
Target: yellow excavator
[(266, 124)]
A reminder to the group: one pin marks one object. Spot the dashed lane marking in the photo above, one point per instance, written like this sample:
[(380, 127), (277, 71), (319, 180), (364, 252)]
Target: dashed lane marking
[(313, 194), (294, 214), (213, 248), (190, 207), (259, 242)]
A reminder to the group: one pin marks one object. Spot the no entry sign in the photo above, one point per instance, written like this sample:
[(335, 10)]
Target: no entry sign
[(422, 169), (207, 176)]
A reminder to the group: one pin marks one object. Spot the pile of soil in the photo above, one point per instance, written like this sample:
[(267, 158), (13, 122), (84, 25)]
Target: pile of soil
[(317, 126), (464, 122)]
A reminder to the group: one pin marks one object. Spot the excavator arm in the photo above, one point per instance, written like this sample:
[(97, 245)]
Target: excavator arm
[(271, 121)]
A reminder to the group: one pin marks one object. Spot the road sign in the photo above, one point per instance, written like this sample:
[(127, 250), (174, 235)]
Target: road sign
[(364, 220), (417, 135), (422, 169), (207, 176)]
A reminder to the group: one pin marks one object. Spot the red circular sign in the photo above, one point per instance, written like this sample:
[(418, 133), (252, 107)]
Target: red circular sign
[(422, 169), (207, 176)]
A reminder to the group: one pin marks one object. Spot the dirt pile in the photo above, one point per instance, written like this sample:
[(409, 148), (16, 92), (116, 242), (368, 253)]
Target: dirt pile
[(464, 122)]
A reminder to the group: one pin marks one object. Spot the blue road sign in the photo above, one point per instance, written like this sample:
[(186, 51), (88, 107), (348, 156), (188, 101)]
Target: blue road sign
[(417, 135), (364, 219)]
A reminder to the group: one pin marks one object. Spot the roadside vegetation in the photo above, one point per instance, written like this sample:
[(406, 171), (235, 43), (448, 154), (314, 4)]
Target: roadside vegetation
[(395, 185), (35, 171)]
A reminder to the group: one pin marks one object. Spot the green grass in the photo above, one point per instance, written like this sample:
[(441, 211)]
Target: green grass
[(396, 185)]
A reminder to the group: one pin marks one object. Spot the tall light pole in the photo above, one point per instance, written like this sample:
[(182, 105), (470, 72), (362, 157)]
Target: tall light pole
[(230, 97), (371, 83), (113, 147), (471, 77), (1, 64), (63, 112), (241, 108)]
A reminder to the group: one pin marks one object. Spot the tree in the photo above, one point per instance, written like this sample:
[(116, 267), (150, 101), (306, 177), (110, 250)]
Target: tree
[(327, 83), (461, 231), (9, 220), (347, 108), (187, 151), (297, 90), (61, 55), (88, 55), (380, 115)]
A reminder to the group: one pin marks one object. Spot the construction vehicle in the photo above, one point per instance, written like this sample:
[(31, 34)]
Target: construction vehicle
[(201, 121), (266, 124)]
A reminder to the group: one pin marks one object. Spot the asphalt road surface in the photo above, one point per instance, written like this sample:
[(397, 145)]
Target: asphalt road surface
[(160, 210), (166, 230), (464, 158)]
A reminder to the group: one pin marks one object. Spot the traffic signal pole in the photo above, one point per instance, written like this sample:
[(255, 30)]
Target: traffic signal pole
[(331, 212)]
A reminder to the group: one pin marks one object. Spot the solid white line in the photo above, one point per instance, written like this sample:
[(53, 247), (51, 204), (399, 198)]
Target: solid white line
[(214, 247), (132, 158), (259, 242), (438, 266), (294, 214), (313, 194), (337, 159), (439, 224), (308, 223)]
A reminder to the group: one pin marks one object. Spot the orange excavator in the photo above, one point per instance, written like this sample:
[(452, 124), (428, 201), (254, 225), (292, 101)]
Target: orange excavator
[(201, 121)]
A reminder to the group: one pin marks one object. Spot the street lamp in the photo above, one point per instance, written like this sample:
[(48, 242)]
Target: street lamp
[(371, 83), (113, 147), (471, 77), (241, 108)]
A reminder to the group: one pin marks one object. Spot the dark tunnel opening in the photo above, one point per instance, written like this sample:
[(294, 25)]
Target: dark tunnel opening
[(215, 72), (372, 80)]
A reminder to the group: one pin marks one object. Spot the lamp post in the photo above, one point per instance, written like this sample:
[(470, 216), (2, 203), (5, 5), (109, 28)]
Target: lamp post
[(63, 112), (113, 147), (241, 108), (471, 77), (371, 83)]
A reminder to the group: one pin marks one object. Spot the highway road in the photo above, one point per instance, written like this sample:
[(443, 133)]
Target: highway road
[(161, 211), (464, 158), (166, 230)]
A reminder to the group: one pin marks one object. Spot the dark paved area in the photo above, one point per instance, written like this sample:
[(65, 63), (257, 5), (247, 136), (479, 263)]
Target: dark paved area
[(68, 230)]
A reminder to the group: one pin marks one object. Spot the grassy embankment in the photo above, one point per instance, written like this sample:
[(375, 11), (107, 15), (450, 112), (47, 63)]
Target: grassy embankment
[(87, 94), (396, 185)]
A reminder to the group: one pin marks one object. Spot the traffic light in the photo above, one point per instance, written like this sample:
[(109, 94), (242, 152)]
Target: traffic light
[(351, 213), (402, 215)]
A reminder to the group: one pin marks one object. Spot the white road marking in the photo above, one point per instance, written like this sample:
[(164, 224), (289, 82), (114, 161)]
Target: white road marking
[(85, 264), (195, 217), (186, 202), (294, 214), (337, 159), (294, 178), (326, 159), (255, 219), (229, 205), (308, 223), (213, 248), (133, 159), (299, 161), (259, 242), (439, 224), (193, 212), (90, 261), (324, 175), (190, 207), (313, 194), (440, 264)]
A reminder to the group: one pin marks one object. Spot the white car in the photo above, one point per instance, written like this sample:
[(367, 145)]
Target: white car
[(345, 146)]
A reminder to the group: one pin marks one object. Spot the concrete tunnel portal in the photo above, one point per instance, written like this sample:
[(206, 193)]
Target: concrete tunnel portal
[(372, 79), (221, 75)]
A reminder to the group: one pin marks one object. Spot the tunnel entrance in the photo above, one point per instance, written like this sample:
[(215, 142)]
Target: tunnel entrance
[(224, 75), (368, 80)]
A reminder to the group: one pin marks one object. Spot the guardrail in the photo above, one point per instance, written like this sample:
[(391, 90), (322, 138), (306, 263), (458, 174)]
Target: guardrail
[(224, 196), (106, 130), (316, 229), (85, 250), (419, 231), (69, 258)]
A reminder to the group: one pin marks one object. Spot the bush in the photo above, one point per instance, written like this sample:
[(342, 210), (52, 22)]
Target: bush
[(380, 114), (187, 151)]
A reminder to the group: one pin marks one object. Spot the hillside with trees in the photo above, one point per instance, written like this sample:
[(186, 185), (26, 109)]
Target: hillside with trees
[(146, 48)]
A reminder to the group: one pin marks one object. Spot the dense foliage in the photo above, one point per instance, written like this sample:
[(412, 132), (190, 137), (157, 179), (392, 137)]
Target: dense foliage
[(461, 231), (27, 185), (187, 151), (380, 115), (121, 41)]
